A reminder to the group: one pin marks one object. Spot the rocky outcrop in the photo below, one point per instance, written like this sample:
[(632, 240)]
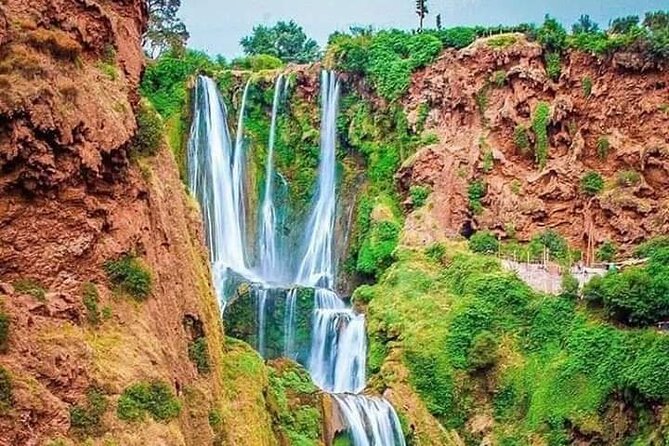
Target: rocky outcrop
[(603, 118)]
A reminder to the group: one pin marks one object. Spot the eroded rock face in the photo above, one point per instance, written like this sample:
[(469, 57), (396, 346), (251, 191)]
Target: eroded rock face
[(475, 118)]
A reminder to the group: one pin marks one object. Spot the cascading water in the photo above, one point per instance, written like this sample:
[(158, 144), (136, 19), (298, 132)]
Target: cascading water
[(269, 269), (338, 342), (213, 182)]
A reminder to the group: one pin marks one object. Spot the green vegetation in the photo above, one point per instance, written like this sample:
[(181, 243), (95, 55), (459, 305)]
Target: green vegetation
[(155, 398), (498, 78), (376, 252), (521, 139), (418, 195), (569, 286), (388, 57), (293, 397), (166, 31), (553, 66), (540, 120), (285, 41), (91, 299), (475, 192), (603, 147), (129, 275), (638, 295), (484, 242), (502, 41), (436, 252), (592, 184), (5, 323), (607, 252), (198, 352), (87, 419), (150, 130), (31, 287), (628, 178), (586, 84), (6, 397), (551, 365), (259, 62)]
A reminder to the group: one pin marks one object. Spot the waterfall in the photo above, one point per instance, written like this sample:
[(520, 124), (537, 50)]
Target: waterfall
[(211, 167), (338, 341), (269, 269)]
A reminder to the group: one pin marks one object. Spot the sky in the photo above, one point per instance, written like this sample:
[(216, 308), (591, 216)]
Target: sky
[(217, 26)]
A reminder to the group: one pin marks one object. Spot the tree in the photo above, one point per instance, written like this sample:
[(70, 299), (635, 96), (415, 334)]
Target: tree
[(656, 21), (421, 11), (623, 25), (439, 22), (166, 31), (285, 40), (584, 25)]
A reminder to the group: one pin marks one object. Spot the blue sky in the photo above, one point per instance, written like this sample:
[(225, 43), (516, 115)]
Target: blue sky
[(216, 26)]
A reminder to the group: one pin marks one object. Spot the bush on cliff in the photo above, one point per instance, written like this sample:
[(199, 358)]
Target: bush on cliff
[(484, 242), (5, 323), (86, 419), (6, 397), (129, 275), (150, 131), (155, 398)]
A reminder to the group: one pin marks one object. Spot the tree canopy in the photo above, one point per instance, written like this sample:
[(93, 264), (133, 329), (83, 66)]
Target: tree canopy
[(285, 40), (166, 31)]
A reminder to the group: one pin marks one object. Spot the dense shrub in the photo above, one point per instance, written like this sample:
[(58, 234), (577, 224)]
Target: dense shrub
[(592, 184), (5, 323), (521, 139), (637, 295), (553, 66), (436, 252), (259, 62), (86, 419), (457, 37), (607, 252), (376, 253), (483, 352), (653, 247), (484, 242), (198, 352), (553, 242), (6, 397), (31, 287), (91, 299), (149, 136), (475, 192), (540, 120), (552, 36), (418, 195), (628, 178), (569, 286), (128, 275), (156, 398), (603, 146)]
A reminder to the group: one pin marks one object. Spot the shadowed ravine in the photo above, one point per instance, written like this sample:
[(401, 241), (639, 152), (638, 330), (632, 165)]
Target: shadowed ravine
[(336, 360)]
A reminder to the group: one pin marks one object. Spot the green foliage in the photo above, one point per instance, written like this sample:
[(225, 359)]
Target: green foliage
[(257, 62), (376, 252), (387, 57), (5, 324), (592, 184), (165, 30), (198, 352), (418, 195), (31, 287), (285, 41), (603, 147), (484, 242), (584, 25), (540, 120), (87, 419), (569, 286), (586, 84), (149, 136), (628, 178), (129, 275), (155, 398), (552, 36), (652, 247), (623, 25), (553, 242), (498, 78), (457, 37), (521, 139), (6, 396), (91, 299), (436, 252), (475, 192), (607, 252), (553, 66), (482, 100), (483, 352), (502, 41)]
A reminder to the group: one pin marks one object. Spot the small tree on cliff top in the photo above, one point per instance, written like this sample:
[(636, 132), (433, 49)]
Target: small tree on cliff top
[(421, 12), (285, 40), (166, 31)]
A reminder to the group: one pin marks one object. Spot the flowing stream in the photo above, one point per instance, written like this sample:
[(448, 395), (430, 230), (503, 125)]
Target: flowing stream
[(338, 342)]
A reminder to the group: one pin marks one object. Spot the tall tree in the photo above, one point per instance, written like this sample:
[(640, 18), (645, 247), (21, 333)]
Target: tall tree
[(285, 40), (584, 25), (166, 31), (439, 21), (422, 12)]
